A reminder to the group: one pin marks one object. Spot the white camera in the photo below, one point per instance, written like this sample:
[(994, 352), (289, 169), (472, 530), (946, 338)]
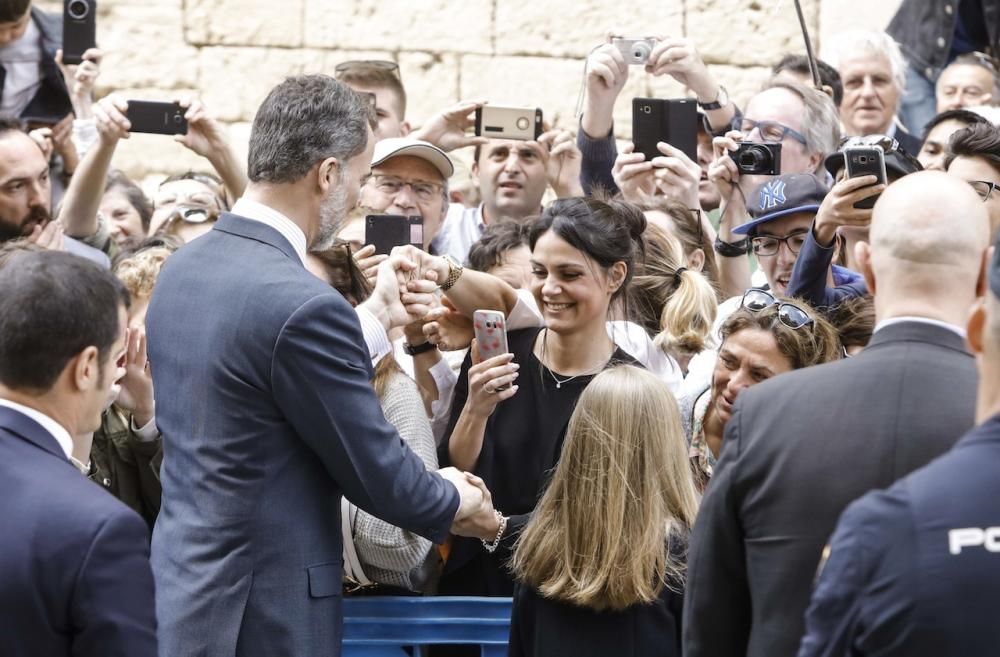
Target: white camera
[(635, 51)]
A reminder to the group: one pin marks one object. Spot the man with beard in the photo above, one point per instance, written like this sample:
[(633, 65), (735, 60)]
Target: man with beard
[(269, 415), (25, 196)]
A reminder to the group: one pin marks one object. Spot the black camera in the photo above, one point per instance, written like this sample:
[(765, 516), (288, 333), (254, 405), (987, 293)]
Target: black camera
[(757, 159), (79, 29)]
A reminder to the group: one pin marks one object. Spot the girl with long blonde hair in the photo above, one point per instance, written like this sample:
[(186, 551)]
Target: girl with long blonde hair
[(600, 565)]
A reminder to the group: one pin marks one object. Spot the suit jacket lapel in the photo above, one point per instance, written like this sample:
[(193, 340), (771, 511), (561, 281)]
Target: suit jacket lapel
[(21, 425)]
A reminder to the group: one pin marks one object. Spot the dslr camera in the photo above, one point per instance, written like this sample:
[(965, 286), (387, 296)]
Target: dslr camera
[(635, 51), (757, 159)]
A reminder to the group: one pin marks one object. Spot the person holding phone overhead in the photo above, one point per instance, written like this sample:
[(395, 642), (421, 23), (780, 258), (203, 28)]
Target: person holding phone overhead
[(583, 255)]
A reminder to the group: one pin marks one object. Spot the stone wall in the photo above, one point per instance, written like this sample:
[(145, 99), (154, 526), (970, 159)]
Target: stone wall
[(232, 52)]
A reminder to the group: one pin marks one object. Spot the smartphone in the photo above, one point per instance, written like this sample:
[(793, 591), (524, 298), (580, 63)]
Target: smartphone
[(156, 118), (674, 121), (499, 122), (387, 231), (79, 29), (491, 335), (866, 161)]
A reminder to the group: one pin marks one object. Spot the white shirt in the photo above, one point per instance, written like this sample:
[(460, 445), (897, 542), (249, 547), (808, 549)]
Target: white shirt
[(376, 338), (461, 229), (55, 429), (22, 60), (957, 330)]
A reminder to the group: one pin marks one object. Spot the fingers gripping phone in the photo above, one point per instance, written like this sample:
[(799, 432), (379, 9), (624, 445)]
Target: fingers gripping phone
[(156, 118), (387, 231), (674, 121), (491, 335), (866, 161)]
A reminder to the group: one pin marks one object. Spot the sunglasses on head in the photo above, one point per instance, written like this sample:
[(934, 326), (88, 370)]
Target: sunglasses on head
[(359, 65), (788, 313)]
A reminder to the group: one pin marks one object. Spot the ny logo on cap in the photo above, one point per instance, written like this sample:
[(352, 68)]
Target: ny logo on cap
[(772, 194)]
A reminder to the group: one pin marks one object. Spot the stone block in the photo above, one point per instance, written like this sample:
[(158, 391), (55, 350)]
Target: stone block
[(244, 22), (741, 83), (142, 155), (749, 32), (550, 83), (529, 27), (431, 82), (430, 25), (144, 47), (836, 17)]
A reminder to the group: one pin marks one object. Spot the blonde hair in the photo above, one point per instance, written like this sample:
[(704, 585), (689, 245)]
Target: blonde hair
[(625, 462), (139, 272), (678, 309)]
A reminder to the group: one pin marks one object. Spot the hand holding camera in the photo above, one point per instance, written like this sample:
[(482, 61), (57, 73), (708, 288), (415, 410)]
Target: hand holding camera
[(80, 79), (607, 73), (110, 116), (838, 208), (633, 174), (448, 129), (564, 162), (205, 136), (725, 175)]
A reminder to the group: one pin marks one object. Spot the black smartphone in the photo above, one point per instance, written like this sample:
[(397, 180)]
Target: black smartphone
[(387, 231), (79, 29), (866, 161), (156, 118), (674, 121)]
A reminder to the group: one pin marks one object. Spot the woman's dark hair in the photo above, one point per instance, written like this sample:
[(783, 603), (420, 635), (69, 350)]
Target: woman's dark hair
[(133, 194), (53, 305), (605, 231), (497, 240), (854, 320)]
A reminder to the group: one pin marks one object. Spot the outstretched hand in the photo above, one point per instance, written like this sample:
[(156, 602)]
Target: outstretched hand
[(447, 129)]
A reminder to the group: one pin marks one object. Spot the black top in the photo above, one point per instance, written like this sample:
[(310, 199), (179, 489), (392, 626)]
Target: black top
[(551, 628), (521, 445)]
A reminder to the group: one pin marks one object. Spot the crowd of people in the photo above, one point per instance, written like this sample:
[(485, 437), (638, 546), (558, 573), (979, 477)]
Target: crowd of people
[(732, 414)]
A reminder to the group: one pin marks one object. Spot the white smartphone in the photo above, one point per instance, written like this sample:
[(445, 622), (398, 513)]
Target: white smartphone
[(491, 333)]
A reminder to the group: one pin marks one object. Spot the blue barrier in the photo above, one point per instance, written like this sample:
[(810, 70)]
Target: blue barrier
[(384, 626)]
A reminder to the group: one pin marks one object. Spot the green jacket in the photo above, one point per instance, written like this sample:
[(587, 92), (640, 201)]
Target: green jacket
[(126, 466)]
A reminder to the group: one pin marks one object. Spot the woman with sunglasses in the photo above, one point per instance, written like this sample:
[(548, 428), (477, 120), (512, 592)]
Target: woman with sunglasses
[(766, 337)]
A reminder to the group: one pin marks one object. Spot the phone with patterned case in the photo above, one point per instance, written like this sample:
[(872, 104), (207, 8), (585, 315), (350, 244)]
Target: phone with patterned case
[(491, 333)]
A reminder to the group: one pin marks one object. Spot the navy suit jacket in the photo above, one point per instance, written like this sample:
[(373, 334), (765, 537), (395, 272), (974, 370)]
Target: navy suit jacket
[(915, 570), (268, 415), (74, 561)]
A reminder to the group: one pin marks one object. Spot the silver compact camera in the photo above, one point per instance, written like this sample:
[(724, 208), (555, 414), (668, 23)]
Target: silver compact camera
[(635, 51), (499, 122)]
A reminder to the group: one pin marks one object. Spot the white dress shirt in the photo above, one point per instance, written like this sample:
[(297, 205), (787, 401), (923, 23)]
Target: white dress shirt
[(22, 60), (56, 430), (376, 338)]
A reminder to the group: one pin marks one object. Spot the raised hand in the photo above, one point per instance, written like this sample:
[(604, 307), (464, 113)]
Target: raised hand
[(110, 116), (448, 129), (447, 328), (205, 136), (368, 262), (633, 174), (676, 175), (564, 162), (136, 394), (80, 79), (486, 378), (838, 208), (606, 76)]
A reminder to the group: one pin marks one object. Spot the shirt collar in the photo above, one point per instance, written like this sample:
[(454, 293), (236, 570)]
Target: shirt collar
[(271, 217), (957, 330), (54, 428)]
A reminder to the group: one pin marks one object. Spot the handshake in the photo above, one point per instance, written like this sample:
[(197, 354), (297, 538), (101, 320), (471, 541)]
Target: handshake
[(476, 516), (404, 285)]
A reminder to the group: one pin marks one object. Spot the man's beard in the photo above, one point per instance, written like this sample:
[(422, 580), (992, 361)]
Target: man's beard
[(332, 213), (38, 215)]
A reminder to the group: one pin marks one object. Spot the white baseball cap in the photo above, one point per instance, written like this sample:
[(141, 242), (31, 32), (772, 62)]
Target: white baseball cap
[(388, 148)]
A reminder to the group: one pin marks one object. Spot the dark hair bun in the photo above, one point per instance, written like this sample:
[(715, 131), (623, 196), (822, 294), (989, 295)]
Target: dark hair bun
[(635, 220)]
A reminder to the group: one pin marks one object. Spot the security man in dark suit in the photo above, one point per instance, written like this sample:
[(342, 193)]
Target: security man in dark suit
[(74, 561), (915, 570), (801, 446)]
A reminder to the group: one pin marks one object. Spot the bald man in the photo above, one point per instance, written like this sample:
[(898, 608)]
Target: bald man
[(801, 446), (942, 519)]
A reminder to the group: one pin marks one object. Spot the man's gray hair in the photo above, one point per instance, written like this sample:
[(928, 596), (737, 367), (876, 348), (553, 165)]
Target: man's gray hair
[(820, 121), (305, 120), (860, 43)]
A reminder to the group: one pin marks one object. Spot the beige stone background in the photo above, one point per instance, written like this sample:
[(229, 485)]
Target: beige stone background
[(531, 52)]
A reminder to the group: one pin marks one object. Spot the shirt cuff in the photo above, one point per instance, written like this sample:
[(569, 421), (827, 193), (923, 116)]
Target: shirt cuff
[(376, 338), (84, 135), (147, 433), (445, 379), (525, 313)]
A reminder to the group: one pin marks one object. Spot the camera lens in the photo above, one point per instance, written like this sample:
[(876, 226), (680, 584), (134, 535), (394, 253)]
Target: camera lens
[(640, 51), (78, 9), (178, 118), (863, 159), (752, 158), (522, 123)]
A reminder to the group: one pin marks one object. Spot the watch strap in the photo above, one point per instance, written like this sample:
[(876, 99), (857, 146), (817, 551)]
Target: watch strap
[(732, 249), (717, 103), (416, 350)]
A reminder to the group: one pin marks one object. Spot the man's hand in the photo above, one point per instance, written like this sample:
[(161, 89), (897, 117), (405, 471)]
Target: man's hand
[(607, 73), (50, 237), (447, 130), (43, 138), (482, 524), (368, 262), (80, 79), (136, 395), (679, 58), (62, 143), (447, 328), (110, 116), (633, 174), (472, 496), (838, 208), (564, 162), (205, 136), (677, 176)]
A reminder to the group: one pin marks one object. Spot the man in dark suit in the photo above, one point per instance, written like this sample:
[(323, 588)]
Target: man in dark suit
[(74, 566), (264, 399), (803, 445), (915, 570)]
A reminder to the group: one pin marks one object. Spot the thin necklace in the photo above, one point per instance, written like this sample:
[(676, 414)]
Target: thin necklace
[(559, 382)]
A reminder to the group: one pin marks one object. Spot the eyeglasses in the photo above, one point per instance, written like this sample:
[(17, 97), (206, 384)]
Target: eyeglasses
[(788, 313), (765, 245), (363, 65), (770, 131), (984, 188), (391, 185)]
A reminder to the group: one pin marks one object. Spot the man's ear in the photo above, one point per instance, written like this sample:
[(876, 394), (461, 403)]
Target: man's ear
[(85, 370), (405, 129), (976, 326), (328, 174), (863, 254), (815, 161)]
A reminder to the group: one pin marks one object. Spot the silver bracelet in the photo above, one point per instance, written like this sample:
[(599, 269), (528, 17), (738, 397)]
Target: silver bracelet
[(492, 546)]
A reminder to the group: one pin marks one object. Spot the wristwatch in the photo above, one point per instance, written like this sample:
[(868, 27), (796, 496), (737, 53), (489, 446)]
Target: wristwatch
[(455, 269), (416, 350), (721, 100), (732, 249)]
